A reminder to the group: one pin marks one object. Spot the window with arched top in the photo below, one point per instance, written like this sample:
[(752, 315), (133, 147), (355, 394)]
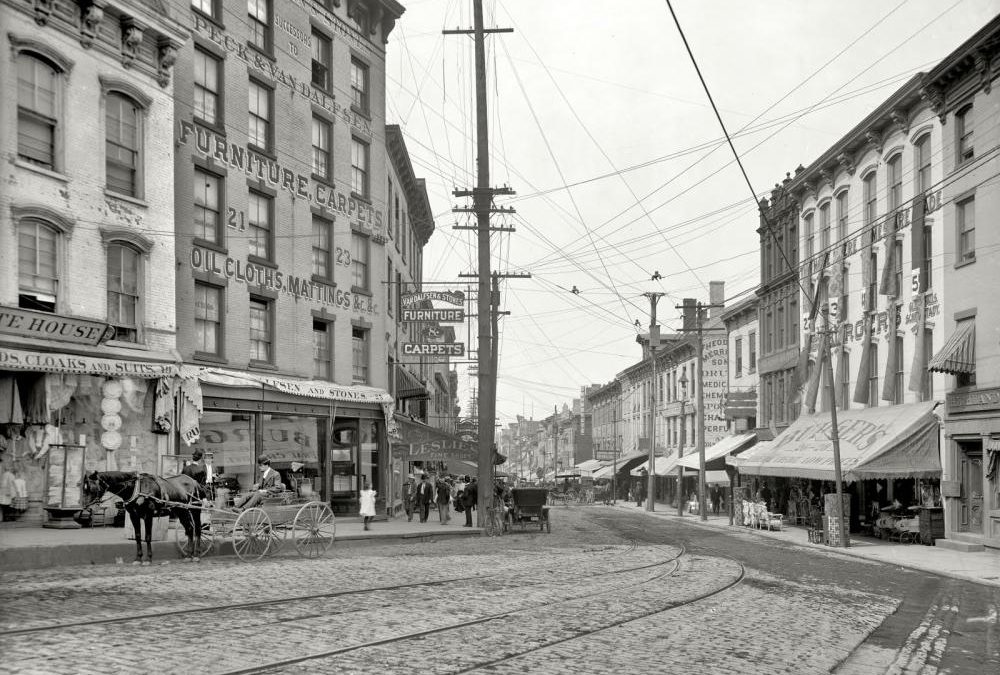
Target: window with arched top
[(922, 163), (824, 225), (123, 144), (39, 102), (810, 235), (894, 176), (37, 265), (869, 184), (963, 135), (124, 290), (843, 207)]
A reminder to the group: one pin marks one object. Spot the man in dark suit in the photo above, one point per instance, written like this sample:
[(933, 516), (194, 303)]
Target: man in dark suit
[(196, 467), (469, 498), (425, 497), (269, 483)]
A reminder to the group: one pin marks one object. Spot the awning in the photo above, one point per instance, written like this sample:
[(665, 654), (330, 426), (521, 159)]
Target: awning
[(716, 478), (899, 441), (324, 389), (958, 354), (715, 455), (419, 442), (590, 465), (662, 466), (409, 385), (623, 464)]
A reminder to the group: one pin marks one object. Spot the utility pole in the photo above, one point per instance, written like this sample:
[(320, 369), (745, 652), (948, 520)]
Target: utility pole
[(482, 198), (826, 345), (700, 308), (680, 446), (654, 342)]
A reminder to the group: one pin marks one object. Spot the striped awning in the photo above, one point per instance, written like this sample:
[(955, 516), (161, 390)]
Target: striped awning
[(408, 385), (958, 354)]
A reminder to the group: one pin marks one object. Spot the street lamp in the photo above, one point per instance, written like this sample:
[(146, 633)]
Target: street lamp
[(680, 447)]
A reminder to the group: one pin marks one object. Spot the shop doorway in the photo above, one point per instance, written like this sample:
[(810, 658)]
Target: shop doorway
[(970, 512), (353, 454)]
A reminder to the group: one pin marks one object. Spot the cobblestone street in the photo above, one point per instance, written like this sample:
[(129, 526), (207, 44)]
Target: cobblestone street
[(605, 591)]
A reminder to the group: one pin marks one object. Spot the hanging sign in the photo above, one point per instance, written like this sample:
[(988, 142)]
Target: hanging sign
[(434, 349), (48, 326), (439, 315), (451, 297)]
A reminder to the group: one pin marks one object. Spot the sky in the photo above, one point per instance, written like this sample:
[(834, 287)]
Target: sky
[(599, 123)]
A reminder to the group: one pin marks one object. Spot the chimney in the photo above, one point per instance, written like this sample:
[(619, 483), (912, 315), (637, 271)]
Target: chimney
[(690, 313), (716, 296)]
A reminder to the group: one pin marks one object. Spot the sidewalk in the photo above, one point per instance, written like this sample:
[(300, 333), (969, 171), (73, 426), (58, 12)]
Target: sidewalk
[(981, 567), (37, 547)]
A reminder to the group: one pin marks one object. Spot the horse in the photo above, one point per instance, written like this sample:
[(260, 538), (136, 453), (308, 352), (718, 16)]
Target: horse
[(148, 498)]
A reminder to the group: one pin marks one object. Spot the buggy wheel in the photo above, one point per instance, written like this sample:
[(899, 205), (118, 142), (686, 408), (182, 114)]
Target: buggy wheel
[(185, 548), (314, 529), (252, 536)]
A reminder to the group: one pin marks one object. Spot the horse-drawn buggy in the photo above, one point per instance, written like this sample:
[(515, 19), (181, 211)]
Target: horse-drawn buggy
[(528, 507), (255, 532)]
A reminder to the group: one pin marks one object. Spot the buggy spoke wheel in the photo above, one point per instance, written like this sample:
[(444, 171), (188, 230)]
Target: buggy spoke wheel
[(252, 535), (314, 529), (185, 549)]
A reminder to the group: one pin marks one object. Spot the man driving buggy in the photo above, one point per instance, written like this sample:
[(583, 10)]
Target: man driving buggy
[(269, 483)]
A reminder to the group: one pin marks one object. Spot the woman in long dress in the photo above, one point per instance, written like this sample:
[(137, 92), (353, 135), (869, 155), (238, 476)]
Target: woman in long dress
[(368, 504)]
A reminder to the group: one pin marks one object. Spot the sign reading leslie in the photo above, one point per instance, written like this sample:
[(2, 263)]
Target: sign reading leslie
[(441, 315), (434, 349)]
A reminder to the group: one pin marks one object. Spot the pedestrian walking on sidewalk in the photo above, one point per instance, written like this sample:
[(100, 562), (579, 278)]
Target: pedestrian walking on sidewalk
[(368, 504), (409, 498), (469, 498), (640, 488), (443, 491), (425, 495)]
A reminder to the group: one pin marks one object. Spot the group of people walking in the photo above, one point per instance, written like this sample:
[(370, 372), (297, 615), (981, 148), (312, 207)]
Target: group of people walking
[(444, 493)]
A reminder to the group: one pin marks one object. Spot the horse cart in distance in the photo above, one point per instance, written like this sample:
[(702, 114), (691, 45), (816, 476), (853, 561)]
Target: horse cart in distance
[(529, 507)]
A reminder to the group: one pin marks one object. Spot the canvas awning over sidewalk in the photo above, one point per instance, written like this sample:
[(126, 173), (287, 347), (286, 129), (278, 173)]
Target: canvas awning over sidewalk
[(899, 441), (625, 462), (715, 455), (662, 466)]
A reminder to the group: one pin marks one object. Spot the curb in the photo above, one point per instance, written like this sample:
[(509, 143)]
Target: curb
[(848, 552), (67, 555)]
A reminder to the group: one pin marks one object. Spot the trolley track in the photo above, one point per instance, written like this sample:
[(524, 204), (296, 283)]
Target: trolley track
[(272, 602), (502, 619)]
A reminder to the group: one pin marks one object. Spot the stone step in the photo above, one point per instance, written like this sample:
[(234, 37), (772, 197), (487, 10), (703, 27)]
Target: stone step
[(957, 545)]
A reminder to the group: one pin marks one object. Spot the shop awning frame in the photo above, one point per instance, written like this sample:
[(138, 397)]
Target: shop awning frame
[(959, 353), (408, 385), (621, 463), (899, 441), (717, 453)]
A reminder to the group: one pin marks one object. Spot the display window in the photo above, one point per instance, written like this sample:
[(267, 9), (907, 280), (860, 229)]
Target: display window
[(314, 460)]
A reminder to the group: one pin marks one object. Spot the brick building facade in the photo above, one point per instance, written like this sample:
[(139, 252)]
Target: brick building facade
[(87, 323)]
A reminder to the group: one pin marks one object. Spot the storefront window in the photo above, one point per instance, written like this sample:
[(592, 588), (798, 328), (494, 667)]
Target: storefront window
[(293, 444), (229, 437)]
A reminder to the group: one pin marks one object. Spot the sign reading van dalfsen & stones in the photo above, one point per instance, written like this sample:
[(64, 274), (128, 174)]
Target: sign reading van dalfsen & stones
[(451, 297)]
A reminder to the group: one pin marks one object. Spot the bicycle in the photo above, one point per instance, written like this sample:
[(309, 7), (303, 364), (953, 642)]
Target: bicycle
[(495, 522)]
